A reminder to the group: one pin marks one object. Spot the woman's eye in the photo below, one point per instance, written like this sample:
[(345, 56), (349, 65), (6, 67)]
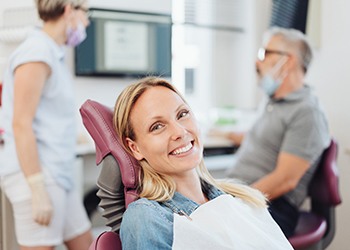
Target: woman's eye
[(183, 113), (156, 127)]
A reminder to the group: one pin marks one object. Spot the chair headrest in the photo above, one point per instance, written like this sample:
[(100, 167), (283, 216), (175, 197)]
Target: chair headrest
[(98, 120), (324, 186)]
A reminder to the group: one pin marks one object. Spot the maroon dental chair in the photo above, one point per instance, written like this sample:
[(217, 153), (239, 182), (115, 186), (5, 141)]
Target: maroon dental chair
[(316, 228), (118, 177)]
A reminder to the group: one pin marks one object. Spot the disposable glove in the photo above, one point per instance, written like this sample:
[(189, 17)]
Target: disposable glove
[(42, 209)]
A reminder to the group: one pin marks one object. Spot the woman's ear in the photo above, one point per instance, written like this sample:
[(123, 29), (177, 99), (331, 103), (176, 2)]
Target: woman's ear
[(134, 149), (68, 9)]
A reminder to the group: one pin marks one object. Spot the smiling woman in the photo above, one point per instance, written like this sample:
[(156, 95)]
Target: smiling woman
[(177, 193)]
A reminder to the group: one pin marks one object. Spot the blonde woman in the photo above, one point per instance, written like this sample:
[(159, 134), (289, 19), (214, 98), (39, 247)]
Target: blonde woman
[(181, 206), (38, 108)]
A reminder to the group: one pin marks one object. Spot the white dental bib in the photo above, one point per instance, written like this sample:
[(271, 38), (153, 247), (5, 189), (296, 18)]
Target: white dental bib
[(227, 222)]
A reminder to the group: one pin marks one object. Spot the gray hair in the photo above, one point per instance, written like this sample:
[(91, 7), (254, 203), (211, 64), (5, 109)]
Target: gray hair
[(294, 39), (53, 9)]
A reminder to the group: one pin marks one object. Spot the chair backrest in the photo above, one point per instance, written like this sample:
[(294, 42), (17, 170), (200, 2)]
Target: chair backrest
[(118, 178), (316, 227), (324, 187), (98, 120), (324, 190)]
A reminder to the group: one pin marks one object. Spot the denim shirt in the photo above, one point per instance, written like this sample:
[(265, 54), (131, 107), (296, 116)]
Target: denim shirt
[(148, 224)]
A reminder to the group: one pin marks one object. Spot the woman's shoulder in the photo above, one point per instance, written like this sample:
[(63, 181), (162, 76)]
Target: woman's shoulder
[(146, 210), (143, 202), (35, 40), (145, 216), (33, 48), (146, 224)]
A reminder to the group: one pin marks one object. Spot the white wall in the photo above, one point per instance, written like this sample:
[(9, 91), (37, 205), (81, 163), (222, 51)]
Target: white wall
[(330, 75)]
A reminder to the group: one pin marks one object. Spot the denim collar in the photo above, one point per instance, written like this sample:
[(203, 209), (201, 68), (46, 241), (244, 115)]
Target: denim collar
[(182, 205)]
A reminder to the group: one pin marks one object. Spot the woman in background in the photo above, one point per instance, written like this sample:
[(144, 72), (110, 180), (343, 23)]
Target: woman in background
[(181, 206), (40, 137)]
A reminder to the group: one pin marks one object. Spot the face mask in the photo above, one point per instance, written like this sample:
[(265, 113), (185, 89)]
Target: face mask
[(75, 36), (268, 83)]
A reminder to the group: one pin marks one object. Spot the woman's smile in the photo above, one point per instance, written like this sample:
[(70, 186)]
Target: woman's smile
[(182, 150)]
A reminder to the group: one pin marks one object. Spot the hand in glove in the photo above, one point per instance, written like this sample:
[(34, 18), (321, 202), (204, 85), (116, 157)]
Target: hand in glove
[(41, 203)]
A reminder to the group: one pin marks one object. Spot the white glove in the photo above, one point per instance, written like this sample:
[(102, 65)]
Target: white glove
[(41, 203)]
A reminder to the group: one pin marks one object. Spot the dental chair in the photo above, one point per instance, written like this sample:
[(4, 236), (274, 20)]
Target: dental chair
[(118, 177), (316, 228)]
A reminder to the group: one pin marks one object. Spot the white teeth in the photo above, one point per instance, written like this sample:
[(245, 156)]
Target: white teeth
[(182, 150)]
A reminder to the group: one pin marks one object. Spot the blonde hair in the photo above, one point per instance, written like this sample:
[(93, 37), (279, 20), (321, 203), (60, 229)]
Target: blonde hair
[(53, 9), (161, 187)]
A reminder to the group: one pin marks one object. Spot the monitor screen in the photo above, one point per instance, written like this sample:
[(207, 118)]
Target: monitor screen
[(123, 43)]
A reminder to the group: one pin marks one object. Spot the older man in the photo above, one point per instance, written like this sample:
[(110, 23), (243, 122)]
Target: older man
[(281, 151)]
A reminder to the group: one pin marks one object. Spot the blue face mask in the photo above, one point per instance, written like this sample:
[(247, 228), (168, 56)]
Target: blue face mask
[(268, 82), (269, 85)]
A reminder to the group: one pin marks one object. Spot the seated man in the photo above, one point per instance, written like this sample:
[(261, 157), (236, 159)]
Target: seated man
[(281, 151)]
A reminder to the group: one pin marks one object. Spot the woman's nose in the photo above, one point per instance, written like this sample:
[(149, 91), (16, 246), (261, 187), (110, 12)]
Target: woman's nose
[(177, 131), (86, 22)]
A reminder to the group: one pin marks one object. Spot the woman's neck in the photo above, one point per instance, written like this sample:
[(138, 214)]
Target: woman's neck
[(55, 29), (190, 187)]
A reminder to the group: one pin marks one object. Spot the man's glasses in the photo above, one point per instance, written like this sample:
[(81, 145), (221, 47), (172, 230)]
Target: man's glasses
[(263, 52), (84, 9)]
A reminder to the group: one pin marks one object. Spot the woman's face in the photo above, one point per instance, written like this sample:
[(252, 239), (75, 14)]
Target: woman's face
[(80, 15), (77, 22), (166, 131)]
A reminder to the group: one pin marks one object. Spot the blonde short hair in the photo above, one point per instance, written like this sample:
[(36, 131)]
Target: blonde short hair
[(53, 9)]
